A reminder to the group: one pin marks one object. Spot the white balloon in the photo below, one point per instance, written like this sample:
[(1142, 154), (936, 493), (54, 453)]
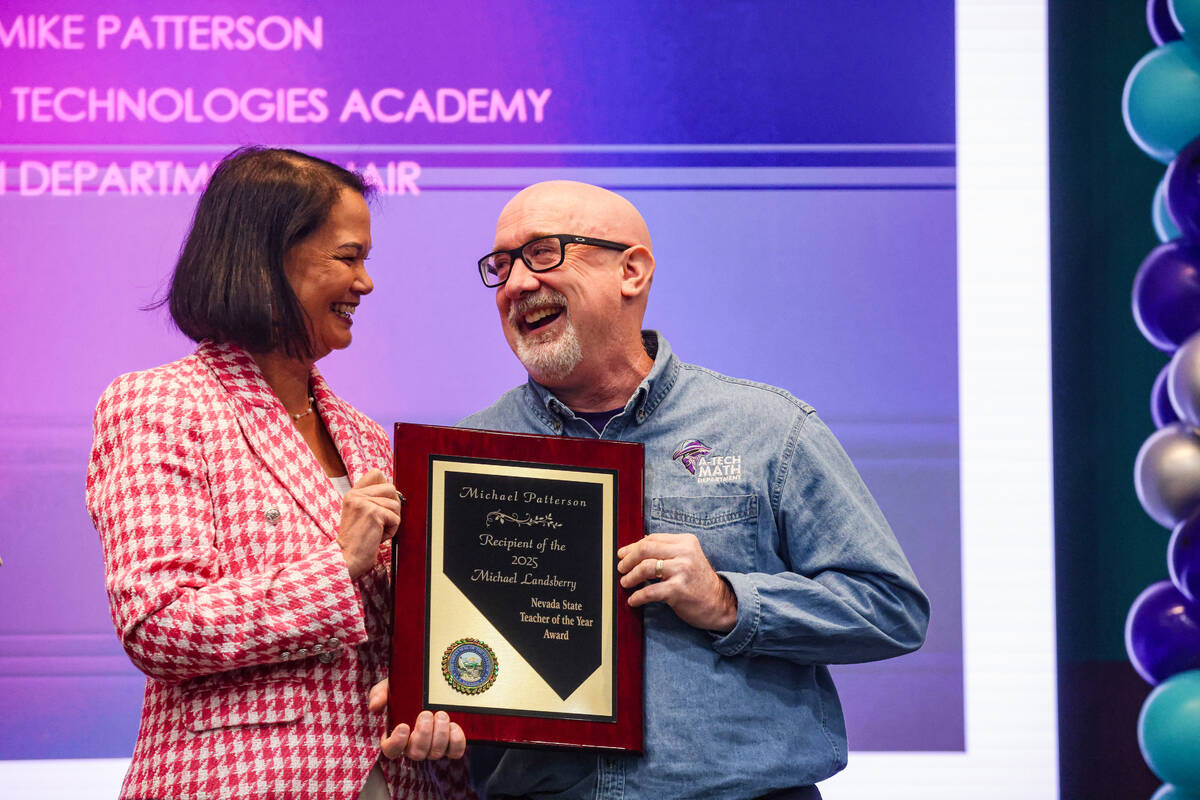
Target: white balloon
[(1183, 381), (1166, 474)]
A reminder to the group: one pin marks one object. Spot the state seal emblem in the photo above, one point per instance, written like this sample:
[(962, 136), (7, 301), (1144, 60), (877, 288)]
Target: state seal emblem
[(469, 666)]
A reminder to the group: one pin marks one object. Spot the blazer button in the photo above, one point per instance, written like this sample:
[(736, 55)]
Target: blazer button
[(272, 514), (327, 657)]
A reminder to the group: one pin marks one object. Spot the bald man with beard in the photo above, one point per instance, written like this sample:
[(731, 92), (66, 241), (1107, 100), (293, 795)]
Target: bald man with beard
[(766, 558)]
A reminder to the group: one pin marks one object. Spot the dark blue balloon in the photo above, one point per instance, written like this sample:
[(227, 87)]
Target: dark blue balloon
[(1162, 633), (1161, 410), (1183, 557), (1158, 20), (1183, 190), (1166, 294)]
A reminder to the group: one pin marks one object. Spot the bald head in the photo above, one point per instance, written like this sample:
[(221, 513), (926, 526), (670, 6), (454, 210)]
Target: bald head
[(577, 326), (572, 207)]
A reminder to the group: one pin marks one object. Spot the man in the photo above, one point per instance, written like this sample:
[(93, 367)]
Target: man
[(766, 558)]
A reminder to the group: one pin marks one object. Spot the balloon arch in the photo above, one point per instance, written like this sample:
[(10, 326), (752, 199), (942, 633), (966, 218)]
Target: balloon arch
[(1161, 106)]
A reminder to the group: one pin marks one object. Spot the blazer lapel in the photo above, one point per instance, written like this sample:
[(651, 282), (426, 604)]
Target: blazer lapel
[(347, 435), (342, 429), (272, 436)]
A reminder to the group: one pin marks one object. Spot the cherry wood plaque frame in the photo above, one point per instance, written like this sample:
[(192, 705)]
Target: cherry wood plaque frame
[(417, 449)]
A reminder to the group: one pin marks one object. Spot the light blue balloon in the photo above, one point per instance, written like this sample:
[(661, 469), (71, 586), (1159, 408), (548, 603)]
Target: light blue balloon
[(1161, 101), (1169, 731), (1164, 226), (1186, 15), (1169, 792)]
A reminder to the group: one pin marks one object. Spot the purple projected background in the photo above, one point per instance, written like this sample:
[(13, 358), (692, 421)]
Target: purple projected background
[(794, 160)]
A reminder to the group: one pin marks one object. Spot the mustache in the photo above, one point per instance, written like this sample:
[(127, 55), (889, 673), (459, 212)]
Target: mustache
[(551, 297)]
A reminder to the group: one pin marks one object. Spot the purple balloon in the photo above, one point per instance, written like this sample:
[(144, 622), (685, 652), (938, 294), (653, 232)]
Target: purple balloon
[(1161, 410), (1183, 190), (1166, 294), (1162, 633), (1158, 20), (1183, 557)]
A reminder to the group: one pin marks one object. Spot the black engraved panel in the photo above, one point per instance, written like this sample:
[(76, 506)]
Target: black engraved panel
[(526, 552)]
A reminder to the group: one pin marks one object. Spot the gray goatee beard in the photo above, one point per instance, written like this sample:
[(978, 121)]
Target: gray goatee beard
[(547, 357)]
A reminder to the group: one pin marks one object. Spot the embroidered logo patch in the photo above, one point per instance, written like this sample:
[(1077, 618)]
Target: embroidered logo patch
[(688, 452), (469, 666), (697, 458)]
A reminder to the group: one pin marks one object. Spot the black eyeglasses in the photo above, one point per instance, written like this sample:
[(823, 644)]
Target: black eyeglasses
[(540, 255)]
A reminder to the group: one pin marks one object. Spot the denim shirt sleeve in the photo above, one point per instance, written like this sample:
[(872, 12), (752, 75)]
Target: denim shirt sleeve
[(851, 595)]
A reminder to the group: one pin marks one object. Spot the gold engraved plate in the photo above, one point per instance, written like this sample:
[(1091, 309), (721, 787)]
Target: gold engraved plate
[(507, 545)]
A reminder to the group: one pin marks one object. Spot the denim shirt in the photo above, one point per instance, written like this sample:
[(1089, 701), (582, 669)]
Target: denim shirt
[(784, 517)]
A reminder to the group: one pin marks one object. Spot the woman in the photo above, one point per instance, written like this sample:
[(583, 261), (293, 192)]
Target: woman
[(245, 511)]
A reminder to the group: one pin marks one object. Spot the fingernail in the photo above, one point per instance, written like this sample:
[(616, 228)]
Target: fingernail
[(442, 715)]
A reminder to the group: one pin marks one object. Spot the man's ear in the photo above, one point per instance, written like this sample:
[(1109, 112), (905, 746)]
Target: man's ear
[(637, 271)]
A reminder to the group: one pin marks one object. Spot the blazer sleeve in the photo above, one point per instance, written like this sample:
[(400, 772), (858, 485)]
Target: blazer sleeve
[(178, 613)]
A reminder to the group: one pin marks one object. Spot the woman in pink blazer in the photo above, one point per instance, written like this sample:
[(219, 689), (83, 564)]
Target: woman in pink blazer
[(245, 512)]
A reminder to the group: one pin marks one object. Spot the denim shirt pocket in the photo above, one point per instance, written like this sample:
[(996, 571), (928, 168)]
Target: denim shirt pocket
[(727, 526)]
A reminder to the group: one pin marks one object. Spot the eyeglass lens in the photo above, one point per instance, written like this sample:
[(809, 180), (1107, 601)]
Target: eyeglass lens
[(540, 254)]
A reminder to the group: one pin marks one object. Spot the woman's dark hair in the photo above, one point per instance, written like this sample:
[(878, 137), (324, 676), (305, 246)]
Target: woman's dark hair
[(229, 284)]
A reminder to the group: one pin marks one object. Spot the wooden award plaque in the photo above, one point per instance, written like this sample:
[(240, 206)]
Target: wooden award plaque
[(507, 611)]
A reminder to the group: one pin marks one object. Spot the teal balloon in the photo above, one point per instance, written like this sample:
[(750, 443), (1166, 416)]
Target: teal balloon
[(1186, 15), (1169, 731), (1169, 792), (1164, 226), (1161, 102)]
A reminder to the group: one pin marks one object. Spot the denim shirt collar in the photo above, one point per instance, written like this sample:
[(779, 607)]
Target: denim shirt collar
[(645, 398)]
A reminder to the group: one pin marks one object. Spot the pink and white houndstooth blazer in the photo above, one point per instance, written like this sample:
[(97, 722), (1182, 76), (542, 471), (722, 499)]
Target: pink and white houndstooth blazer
[(228, 588)]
